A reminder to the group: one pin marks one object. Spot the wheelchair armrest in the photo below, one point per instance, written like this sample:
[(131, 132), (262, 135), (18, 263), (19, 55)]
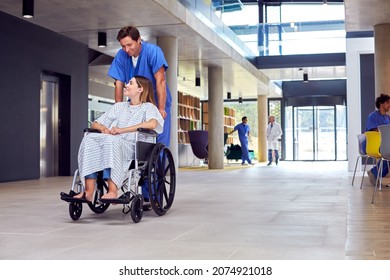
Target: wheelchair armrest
[(147, 131), (94, 130)]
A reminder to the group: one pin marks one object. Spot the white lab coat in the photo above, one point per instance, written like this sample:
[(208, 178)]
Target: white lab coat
[(273, 134)]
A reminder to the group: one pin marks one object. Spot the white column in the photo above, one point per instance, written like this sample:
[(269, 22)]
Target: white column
[(355, 47)]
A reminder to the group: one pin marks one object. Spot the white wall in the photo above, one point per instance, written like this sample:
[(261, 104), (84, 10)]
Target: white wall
[(355, 47)]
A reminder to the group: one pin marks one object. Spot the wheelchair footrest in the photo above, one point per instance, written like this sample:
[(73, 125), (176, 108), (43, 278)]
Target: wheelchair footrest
[(123, 199), (69, 197)]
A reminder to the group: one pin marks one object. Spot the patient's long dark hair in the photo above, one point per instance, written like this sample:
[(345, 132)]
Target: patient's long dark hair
[(147, 94)]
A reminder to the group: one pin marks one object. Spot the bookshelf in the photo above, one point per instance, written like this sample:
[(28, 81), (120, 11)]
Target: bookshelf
[(229, 120), (188, 116)]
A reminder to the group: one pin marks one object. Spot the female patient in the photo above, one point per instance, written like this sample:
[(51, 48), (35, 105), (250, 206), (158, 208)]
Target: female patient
[(113, 149)]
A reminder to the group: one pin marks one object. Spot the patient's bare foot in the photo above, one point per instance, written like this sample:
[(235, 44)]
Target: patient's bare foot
[(110, 195), (84, 195)]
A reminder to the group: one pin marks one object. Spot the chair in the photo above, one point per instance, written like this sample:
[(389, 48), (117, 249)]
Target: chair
[(384, 150), (373, 151), (362, 154), (199, 140)]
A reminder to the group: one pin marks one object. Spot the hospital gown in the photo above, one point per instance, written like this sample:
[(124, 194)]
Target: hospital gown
[(100, 151)]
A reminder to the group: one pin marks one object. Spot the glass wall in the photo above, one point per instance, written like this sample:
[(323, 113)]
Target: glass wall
[(291, 28), (315, 133)]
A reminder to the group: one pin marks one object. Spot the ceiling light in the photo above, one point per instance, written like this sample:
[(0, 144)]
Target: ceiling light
[(102, 39), (28, 8), (197, 82), (305, 77)]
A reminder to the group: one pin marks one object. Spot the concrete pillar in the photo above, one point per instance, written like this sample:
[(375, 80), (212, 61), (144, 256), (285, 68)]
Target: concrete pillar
[(262, 115), (382, 58), (216, 119), (169, 47)]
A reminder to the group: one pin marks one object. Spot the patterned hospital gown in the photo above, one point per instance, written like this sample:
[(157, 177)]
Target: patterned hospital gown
[(99, 151)]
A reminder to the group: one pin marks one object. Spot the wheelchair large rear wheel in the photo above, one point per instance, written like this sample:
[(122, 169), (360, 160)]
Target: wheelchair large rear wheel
[(97, 206), (161, 179)]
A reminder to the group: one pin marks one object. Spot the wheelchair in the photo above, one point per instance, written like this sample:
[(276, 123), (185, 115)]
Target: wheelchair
[(153, 163)]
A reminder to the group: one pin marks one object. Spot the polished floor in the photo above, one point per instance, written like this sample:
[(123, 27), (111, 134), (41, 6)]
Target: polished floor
[(297, 210)]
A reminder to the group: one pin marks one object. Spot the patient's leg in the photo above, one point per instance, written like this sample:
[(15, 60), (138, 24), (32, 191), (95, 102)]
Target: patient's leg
[(112, 190), (89, 187)]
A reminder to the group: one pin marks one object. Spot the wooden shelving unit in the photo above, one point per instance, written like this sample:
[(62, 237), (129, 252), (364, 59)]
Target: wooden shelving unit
[(188, 115), (229, 120)]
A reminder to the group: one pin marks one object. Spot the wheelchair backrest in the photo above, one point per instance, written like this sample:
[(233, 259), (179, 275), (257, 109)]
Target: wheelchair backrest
[(145, 142), (144, 150)]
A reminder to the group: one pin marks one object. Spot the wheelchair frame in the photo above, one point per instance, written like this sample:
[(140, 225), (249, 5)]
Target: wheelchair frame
[(153, 162)]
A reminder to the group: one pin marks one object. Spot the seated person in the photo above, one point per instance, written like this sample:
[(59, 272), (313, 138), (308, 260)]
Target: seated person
[(375, 119), (113, 149)]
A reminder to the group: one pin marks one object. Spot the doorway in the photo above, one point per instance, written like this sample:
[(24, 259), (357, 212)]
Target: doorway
[(316, 133), (49, 126)]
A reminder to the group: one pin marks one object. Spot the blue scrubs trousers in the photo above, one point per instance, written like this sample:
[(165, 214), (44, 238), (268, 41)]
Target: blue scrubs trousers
[(245, 151)]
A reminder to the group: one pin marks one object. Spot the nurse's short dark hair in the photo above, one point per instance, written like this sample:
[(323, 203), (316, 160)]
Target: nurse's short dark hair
[(130, 31), (243, 118), (381, 99)]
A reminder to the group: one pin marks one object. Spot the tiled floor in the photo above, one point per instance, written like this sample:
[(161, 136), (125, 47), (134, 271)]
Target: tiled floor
[(298, 210)]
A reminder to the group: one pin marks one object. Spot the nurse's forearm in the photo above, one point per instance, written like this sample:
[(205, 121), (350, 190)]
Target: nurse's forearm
[(119, 91)]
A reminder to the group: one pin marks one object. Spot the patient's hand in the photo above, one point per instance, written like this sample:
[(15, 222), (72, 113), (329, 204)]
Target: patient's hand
[(116, 130), (105, 130)]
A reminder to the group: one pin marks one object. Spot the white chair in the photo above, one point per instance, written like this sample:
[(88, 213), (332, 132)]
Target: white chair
[(362, 155)]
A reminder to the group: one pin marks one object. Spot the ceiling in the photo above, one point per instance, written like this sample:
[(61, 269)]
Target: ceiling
[(199, 46)]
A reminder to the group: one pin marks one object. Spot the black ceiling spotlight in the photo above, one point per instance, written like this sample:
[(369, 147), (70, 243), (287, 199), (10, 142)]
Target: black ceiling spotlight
[(28, 8), (305, 77), (240, 99), (197, 82), (102, 39), (229, 95)]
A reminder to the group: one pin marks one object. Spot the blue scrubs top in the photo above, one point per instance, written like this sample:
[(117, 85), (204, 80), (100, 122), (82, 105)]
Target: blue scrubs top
[(150, 60), (243, 131), (376, 119)]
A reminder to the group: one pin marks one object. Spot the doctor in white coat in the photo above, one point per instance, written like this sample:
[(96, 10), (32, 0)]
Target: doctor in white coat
[(273, 133)]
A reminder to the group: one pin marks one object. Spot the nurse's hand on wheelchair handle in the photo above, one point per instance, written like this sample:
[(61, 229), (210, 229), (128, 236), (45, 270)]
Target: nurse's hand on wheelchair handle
[(163, 113)]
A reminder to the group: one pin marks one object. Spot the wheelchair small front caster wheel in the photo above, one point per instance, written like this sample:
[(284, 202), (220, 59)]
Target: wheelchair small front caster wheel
[(136, 210), (75, 210)]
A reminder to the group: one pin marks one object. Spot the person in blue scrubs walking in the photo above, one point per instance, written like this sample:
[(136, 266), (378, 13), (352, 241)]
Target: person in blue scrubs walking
[(139, 58), (375, 119), (243, 134)]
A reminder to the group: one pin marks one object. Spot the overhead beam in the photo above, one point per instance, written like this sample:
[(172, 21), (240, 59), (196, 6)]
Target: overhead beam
[(300, 60)]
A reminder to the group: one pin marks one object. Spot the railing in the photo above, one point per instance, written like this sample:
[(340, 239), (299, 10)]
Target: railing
[(307, 37), (294, 38)]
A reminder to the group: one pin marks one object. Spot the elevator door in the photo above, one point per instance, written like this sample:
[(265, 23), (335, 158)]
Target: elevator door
[(49, 126)]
